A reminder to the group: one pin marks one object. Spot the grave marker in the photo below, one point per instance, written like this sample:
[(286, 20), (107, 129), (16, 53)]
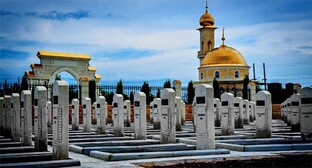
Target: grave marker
[(178, 113), (264, 114), (151, 113), (238, 112), (60, 120), (26, 118), (168, 119), (306, 114), (40, 124), (127, 113), (7, 113), (217, 111), (100, 115), (227, 120), (156, 112), (49, 113), (295, 108), (194, 114), (205, 132), (140, 115), (183, 112), (86, 114), (118, 115), (75, 114), (16, 117), (246, 111)]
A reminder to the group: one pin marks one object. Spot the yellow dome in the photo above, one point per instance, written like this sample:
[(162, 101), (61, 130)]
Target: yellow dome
[(224, 56), (206, 19)]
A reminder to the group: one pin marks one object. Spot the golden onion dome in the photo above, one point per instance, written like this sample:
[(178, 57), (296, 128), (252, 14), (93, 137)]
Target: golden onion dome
[(206, 19), (224, 56)]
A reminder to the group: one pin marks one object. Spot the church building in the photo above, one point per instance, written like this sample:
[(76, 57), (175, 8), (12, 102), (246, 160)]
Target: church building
[(223, 63)]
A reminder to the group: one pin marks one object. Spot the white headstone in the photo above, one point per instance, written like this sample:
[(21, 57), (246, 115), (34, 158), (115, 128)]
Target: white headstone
[(151, 113), (75, 114), (140, 115), (86, 103), (295, 105), (238, 112), (245, 112), (118, 115), (227, 120), (205, 132), (16, 116), (100, 115), (194, 114), (264, 114), (26, 118), (93, 112), (40, 124), (288, 112), (127, 113), (178, 113), (2, 115), (7, 111), (49, 113), (252, 110), (217, 111), (168, 118), (156, 112), (183, 112), (306, 114), (60, 120)]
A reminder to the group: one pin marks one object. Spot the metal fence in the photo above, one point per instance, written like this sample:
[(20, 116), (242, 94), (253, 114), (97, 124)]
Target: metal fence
[(9, 88)]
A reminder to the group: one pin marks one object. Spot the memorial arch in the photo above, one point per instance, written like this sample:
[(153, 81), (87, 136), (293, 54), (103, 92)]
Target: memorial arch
[(53, 63)]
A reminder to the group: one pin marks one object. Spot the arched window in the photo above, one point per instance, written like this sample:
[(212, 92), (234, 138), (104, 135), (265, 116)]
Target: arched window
[(202, 46), (209, 46), (217, 74), (201, 76), (236, 74)]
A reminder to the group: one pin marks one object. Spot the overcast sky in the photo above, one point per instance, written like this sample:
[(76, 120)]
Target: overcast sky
[(154, 40)]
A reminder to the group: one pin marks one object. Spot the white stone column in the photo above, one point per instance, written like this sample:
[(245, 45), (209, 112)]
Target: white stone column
[(246, 112), (151, 113), (118, 115), (157, 112), (100, 115), (217, 111), (178, 113), (140, 115), (168, 119), (40, 124), (306, 114), (2, 116), (60, 120), (8, 120), (238, 112), (194, 114), (75, 114), (86, 114), (26, 118), (16, 116), (264, 114), (127, 113), (49, 113), (295, 102), (183, 112), (227, 121), (205, 132)]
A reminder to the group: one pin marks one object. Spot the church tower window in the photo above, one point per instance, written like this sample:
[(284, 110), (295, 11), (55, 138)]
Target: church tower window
[(201, 76), (217, 74), (236, 74)]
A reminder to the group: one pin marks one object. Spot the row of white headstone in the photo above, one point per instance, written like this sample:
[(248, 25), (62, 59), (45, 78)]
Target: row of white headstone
[(297, 112), (16, 118), (204, 110)]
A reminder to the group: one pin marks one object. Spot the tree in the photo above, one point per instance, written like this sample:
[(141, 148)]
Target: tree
[(131, 97), (147, 90), (158, 93), (167, 84), (92, 87), (216, 88), (119, 89), (245, 87), (190, 92), (58, 77), (24, 84)]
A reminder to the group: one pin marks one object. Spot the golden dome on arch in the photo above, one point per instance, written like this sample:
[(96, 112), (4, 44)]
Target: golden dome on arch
[(206, 19), (224, 56)]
